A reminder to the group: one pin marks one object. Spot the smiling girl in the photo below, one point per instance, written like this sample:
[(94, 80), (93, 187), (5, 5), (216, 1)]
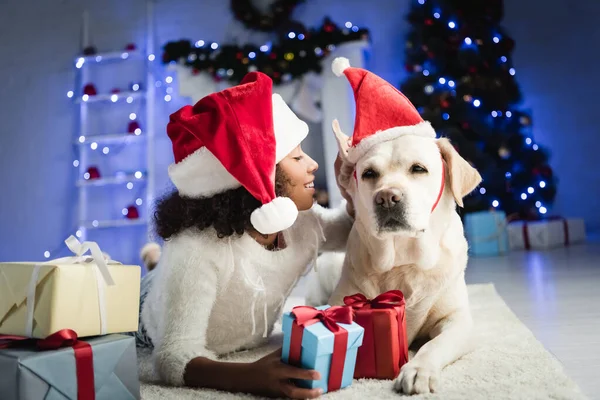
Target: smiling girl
[(239, 232)]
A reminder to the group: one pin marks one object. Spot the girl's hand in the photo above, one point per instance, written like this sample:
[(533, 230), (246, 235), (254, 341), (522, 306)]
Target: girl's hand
[(270, 377)]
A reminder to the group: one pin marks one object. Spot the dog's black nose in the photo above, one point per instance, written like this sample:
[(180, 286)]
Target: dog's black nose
[(388, 198)]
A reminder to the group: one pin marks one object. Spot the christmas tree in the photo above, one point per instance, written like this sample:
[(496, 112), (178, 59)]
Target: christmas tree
[(461, 79)]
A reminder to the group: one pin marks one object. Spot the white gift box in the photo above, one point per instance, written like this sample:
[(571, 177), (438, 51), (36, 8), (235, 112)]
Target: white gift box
[(525, 235)]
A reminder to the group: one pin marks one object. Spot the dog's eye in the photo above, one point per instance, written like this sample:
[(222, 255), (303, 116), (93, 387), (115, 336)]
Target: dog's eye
[(370, 173), (418, 169)]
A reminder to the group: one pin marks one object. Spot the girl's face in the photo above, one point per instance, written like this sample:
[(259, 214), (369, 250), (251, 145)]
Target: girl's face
[(299, 169)]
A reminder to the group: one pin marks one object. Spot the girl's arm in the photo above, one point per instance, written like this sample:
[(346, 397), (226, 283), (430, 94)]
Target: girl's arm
[(190, 291), (336, 224), (182, 358)]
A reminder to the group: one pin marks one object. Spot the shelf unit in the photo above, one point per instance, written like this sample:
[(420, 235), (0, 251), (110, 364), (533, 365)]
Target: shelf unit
[(111, 97), (113, 180), (109, 139), (86, 138)]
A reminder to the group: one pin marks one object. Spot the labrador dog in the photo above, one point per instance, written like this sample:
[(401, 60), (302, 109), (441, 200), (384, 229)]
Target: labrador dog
[(407, 235)]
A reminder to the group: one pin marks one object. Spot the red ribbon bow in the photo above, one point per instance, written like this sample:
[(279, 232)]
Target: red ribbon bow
[(84, 360), (390, 299), (330, 317), (383, 351)]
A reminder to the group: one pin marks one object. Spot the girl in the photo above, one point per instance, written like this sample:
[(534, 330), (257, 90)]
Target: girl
[(235, 243)]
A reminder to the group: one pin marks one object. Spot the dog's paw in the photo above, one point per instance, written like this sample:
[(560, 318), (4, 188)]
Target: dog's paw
[(417, 379)]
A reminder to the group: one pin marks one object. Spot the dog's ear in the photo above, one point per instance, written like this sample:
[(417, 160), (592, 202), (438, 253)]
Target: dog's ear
[(463, 177), (343, 141), (345, 168)]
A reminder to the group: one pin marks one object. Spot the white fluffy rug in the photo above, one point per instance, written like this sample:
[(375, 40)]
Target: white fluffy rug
[(509, 363)]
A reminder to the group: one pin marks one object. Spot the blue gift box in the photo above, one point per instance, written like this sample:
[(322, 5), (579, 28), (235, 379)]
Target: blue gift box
[(317, 350), (30, 374), (486, 233)]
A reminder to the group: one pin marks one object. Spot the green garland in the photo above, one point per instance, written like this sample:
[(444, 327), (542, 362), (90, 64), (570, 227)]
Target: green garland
[(296, 54)]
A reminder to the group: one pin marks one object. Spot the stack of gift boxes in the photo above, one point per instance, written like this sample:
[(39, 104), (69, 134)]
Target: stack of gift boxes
[(366, 338), (59, 327), (489, 233)]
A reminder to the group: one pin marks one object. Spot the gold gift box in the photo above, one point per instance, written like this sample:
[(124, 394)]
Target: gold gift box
[(67, 297)]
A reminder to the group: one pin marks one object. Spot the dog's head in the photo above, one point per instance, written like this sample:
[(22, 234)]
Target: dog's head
[(395, 184)]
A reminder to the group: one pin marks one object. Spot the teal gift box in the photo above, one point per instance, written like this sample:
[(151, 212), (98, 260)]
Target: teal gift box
[(28, 373), (486, 233), (315, 345)]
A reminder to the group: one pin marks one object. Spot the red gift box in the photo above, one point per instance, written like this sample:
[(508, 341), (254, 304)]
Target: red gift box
[(385, 345)]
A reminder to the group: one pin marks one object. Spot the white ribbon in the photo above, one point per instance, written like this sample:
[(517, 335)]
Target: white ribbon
[(101, 270)]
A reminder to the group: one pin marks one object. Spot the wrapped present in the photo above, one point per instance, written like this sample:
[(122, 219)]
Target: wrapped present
[(486, 233), (385, 345), (62, 367), (90, 295), (324, 339), (545, 234)]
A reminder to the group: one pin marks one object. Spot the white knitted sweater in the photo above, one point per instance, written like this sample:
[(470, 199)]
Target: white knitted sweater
[(214, 296)]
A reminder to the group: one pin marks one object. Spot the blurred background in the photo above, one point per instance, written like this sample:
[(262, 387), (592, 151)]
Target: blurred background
[(88, 87)]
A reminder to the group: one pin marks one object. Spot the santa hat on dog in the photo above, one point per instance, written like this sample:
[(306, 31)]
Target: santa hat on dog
[(382, 112), (235, 138)]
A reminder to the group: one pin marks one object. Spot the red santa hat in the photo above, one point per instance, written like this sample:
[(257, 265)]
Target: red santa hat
[(383, 113), (235, 138)]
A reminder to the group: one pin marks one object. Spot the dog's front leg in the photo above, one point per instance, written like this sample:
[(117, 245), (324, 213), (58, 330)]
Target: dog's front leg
[(450, 340)]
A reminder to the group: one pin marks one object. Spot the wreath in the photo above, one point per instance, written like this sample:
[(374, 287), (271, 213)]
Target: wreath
[(250, 16)]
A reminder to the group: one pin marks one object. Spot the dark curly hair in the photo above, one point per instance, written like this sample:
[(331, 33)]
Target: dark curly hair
[(228, 212)]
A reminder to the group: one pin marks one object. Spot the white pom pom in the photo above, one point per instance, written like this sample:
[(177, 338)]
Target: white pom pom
[(339, 65), (276, 216)]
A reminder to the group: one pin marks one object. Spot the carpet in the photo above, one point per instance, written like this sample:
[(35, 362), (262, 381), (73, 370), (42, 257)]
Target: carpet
[(508, 363)]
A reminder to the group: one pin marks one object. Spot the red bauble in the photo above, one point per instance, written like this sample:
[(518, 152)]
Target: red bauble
[(132, 212), (130, 47), (428, 21), (329, 28), (465, 125), (273, 56), (195, 71), (94, 173), (444, 104), (133, 125), (115, 91), (90, 89)]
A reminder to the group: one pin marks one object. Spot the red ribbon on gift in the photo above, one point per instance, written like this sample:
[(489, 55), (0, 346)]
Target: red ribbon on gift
[(380, 361), (331, 317), (84, 358), (565, 229)]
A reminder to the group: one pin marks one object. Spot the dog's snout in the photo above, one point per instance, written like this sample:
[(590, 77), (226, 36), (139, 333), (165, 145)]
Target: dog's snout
[(388, 198)]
